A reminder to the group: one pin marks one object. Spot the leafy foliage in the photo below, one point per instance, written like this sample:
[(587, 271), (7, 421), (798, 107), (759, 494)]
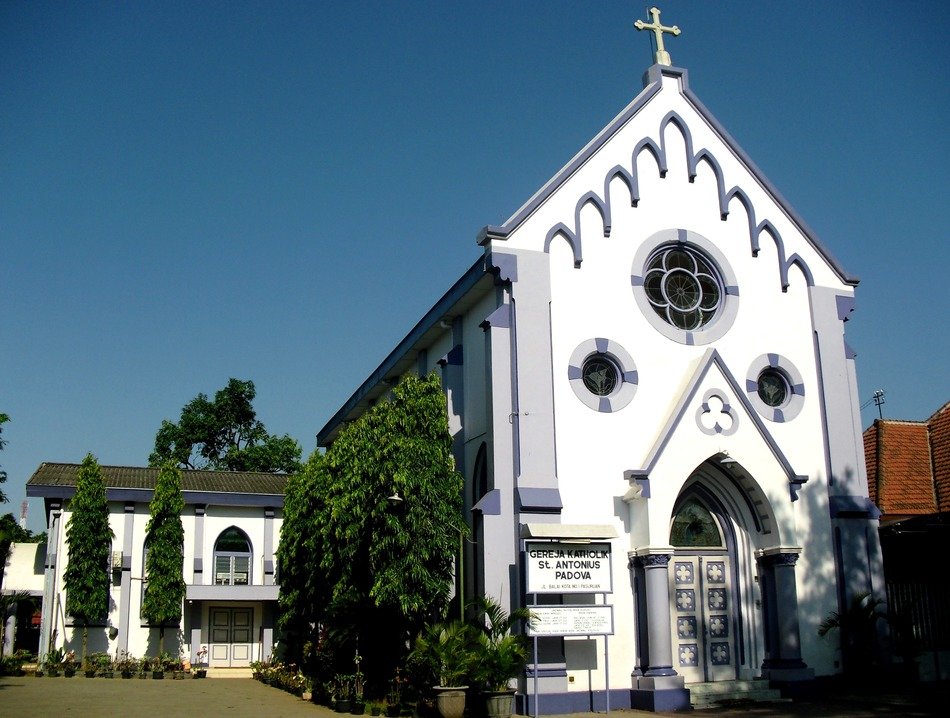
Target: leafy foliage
[(372, 567), (224, 434), (303, 591), (442, 654), (858, 631), (3, 474), (88, 542), (164, 563), (500, 654), (484, 651)]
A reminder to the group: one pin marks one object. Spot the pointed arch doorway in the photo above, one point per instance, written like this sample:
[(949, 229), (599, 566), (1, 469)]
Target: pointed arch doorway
[(706, 590)]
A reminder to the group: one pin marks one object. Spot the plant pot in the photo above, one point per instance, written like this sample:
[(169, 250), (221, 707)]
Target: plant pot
[(450, 700), (393, 711), (342, 705), (358, 708), (200, 673), (158, 675), (499, 704), (52, 672), (126, 674), (306, 695), (69, 672), (90, 672), (107, 674)]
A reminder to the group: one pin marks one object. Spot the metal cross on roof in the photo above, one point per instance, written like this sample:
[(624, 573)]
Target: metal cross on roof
[(662, 56)]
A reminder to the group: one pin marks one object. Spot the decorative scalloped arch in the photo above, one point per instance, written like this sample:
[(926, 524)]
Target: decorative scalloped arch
[(630, 179)]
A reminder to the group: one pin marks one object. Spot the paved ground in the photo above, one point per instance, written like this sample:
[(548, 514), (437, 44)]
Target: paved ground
[(30, 697)]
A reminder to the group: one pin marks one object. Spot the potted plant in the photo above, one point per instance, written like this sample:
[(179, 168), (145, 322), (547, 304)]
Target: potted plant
[(69, 664), (358, 706), (160, 664), (125, 664), (199, 670), (341, 693), (104, 665), (443, 651), (53, 664), (394, 697), (499, 655)]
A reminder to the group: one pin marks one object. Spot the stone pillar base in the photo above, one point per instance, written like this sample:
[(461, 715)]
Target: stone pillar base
[(665, 700), (788, 675)]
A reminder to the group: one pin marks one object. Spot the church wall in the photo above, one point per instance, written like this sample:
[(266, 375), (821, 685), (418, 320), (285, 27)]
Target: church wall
[(772, 324)]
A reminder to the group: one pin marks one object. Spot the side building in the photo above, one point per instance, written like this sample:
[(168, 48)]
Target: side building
[(232, 525)]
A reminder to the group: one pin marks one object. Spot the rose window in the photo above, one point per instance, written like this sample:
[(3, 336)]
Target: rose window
[(683, 287)]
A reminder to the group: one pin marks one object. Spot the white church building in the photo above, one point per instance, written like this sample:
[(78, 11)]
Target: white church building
[(648, 359)]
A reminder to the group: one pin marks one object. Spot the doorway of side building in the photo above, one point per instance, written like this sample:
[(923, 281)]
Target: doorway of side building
[(231, 632)]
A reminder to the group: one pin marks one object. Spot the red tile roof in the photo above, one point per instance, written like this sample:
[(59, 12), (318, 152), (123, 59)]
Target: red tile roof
[(908, 465)]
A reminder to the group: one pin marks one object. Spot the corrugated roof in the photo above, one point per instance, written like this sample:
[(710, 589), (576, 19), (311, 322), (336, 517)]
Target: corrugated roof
[(140, 477)]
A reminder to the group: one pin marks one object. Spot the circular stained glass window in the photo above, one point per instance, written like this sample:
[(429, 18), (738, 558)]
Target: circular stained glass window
[(600, 375), (772, 387), (683, 287)]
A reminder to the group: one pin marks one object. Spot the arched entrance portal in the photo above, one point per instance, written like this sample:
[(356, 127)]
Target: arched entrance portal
[(713, 593)]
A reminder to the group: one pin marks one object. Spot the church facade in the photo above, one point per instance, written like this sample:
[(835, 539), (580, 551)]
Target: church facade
[(648, 359)]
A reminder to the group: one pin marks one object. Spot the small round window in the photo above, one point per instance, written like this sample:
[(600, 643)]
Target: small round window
[(772, 388), (683, 287), (600, 375), (775, 387)]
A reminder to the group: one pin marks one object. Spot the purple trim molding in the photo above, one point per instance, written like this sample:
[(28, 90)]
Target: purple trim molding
[(712, 358), (539, 500), (489, 504), (654, 78)]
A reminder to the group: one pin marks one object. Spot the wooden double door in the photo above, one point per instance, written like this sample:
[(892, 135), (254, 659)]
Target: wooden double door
[(231, 632), (703, 611)]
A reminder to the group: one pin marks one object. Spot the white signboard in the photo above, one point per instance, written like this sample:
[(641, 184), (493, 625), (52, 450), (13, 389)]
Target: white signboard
[(571, 621), (568, 568)]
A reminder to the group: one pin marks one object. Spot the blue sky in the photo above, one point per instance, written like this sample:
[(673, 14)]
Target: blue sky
[(277, 191)]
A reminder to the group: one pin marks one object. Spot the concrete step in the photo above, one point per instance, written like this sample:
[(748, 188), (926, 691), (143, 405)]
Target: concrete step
[(722, 693), (230, 673)]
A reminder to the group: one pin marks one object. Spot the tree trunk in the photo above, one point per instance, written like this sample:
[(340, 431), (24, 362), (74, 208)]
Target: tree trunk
[(85, 639), (161, 640)]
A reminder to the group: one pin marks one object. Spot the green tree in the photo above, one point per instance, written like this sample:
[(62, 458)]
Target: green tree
[(390, 568), (224, 434), (165, 557), (303, 588), (88, 543), (3, 474)]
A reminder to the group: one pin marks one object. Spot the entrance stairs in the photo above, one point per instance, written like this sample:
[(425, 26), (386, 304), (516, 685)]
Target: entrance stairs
[(230, 672), (732, 694)]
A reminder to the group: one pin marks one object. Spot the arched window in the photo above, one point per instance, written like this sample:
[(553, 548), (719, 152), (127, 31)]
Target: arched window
[(232, 558), (694, 526)]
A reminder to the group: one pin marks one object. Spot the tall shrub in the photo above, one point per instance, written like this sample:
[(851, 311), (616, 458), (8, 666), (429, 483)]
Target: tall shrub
[(88, 544), (164, 562), (391, 567), (303, 593)]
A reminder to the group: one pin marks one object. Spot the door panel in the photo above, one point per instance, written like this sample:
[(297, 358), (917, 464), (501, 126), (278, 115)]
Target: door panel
[(231, 633), (703, 639)]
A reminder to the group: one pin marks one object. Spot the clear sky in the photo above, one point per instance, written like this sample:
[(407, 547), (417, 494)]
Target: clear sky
[(277, 191)]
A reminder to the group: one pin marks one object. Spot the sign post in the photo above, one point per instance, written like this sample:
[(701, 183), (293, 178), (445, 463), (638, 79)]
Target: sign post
[(566, 567)]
